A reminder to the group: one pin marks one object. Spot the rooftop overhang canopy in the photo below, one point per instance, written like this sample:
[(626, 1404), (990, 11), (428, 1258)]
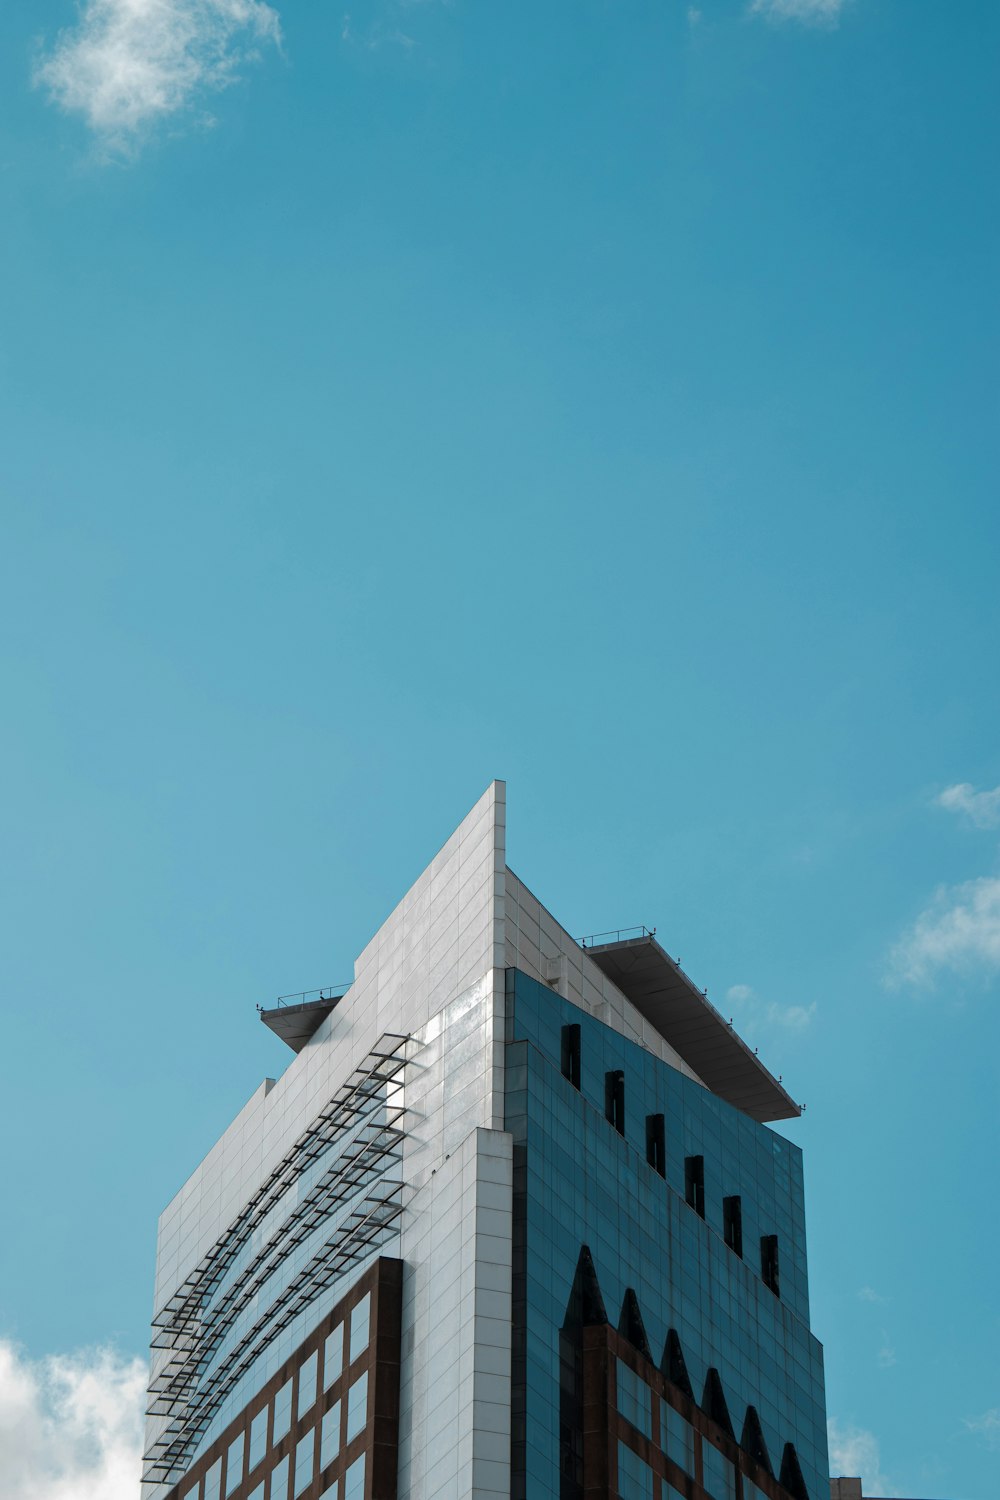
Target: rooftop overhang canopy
[(681, 1013), (295, 1024)]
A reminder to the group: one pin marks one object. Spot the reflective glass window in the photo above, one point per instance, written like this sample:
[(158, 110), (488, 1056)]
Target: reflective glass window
[(678, 1435), (333, 1356), (279, 1481), (258, 1438), (332, 1492), (234, 1462), (571, 1054), (307, 1384), (614, 1099), (694, 1183), (635, 1477), (656, 1144), (634, 1400), (354, 1480), (329, 1445), (258, 1493), (211, 1491), (357, 1406), (732, 1223), (719, 1474), (305, 1461), (360, 1316), (282, 1412)]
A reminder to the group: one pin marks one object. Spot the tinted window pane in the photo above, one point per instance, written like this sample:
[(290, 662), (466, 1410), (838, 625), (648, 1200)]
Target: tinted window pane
[(234, 1462), (307, 1384), (212, 1480), (720, 1475), (258, 1438), (330, 1436), (305, 1461), (354, 1480), (333, 1358), (279, 1481), (282, 1412), (359, 1327), (635, 1478), (679, 1437), (634, 1400), (357, 1406)]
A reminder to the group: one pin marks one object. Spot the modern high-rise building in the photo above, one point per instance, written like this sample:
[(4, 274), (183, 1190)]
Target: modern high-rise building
[(510, 1223)]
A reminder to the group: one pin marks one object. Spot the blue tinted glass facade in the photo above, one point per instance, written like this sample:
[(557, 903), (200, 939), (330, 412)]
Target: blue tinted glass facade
[(635, 1478), (633, 1400), (677, 1437), (578, 1181)]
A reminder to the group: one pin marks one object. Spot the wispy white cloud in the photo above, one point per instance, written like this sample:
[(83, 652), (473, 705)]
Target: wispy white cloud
[(809, 12), (982, 809), (869, 1294), (854, 1452), (379, 33), (128, 64), (987, 1426), (754, 1011), (887, 1354), (959, 932), (70, 1425)]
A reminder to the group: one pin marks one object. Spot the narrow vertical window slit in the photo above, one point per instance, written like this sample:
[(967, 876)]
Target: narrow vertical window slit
[(571, 1054), (694, 1183), (656, 1144), (614, 1099)]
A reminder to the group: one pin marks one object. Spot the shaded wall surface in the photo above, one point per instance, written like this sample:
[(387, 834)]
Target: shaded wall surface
[(578, 1181)]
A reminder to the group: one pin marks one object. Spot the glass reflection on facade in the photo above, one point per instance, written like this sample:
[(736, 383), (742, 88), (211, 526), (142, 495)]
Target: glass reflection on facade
[(685, 1302), (267, 1453)]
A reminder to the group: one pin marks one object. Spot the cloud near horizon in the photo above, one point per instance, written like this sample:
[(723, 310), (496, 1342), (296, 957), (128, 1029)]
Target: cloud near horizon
[(854, 1453), (70, 1425), (810, 12), (958, 932), (127, 65)]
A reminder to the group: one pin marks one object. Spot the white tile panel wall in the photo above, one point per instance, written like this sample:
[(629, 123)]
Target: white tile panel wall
[(441, 939), (455, 1389), (434, 970)]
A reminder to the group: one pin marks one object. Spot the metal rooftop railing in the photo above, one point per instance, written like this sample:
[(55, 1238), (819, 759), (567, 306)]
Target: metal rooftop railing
[(327, 992), (616, 935)]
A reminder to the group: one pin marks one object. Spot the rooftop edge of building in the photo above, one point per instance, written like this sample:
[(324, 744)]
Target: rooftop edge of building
[(636, 967), (295, 1024), (685, 1017)]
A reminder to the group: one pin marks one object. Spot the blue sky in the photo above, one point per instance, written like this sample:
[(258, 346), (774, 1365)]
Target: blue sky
[(598, 395)]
